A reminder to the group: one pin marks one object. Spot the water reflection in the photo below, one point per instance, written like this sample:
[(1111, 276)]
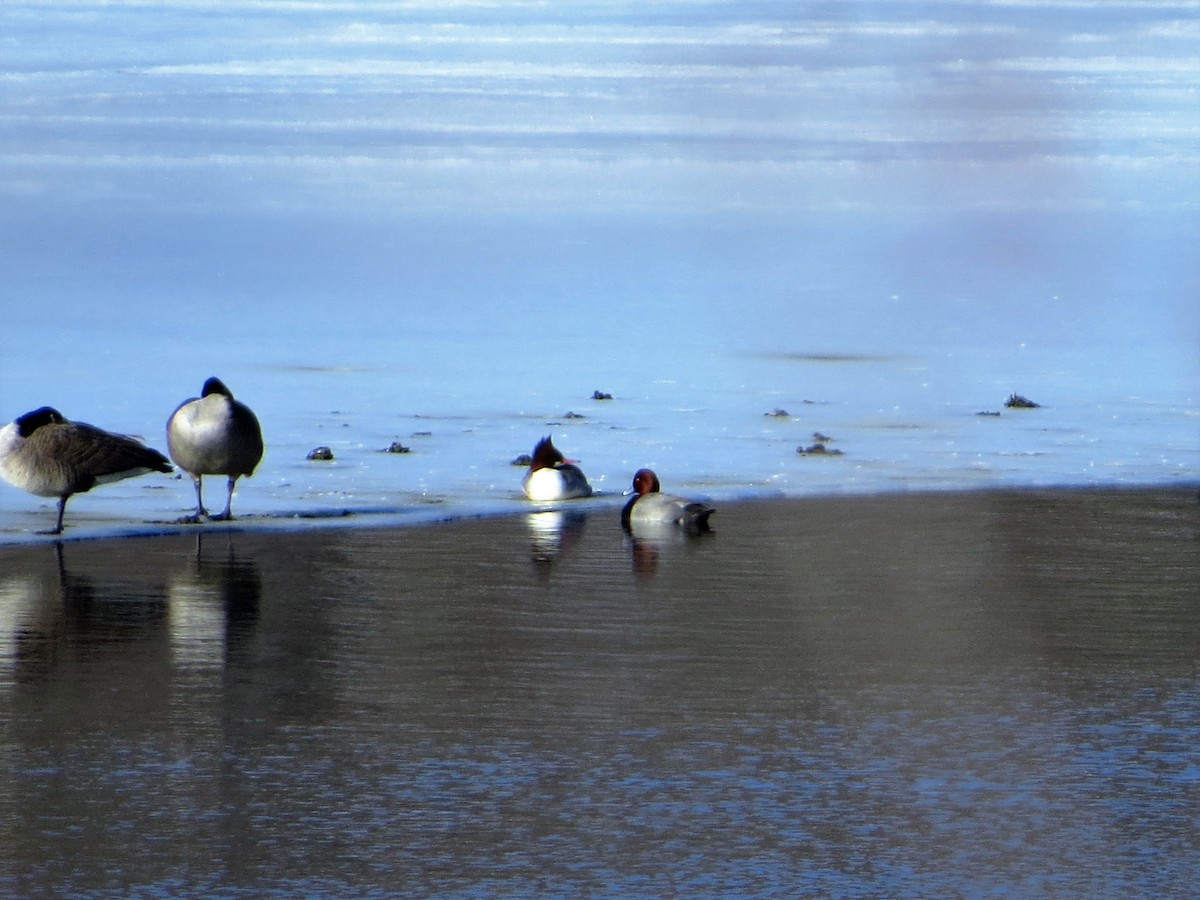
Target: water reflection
[(214, 604), (53, 614), (649, 541), (853, 698), (57, 615), (552, 534)]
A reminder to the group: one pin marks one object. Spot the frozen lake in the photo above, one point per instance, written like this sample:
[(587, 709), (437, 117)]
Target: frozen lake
[(448, 224)]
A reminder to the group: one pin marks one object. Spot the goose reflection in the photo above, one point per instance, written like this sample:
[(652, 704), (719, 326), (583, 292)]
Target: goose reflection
[(553, 532), (32, 622), (214, 605), (51, 615)]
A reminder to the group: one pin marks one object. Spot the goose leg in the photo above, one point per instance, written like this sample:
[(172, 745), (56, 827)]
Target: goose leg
[(201, 512), (228, 514), (58, 527)]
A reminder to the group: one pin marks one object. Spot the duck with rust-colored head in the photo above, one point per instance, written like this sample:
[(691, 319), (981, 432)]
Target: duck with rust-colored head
[(553, 477), (650, 506), (45, 453)]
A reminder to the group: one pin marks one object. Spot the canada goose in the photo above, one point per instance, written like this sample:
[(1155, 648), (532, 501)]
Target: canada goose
[(46, 454), (213, 434)]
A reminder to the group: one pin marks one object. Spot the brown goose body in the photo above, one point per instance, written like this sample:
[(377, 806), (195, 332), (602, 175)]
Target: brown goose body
[(214, 434), (46, 454)]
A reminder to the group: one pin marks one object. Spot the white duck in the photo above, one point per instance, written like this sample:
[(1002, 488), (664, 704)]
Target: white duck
[(553, 477)]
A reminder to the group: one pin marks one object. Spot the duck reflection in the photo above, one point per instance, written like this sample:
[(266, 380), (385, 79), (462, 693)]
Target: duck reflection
[(553, 533), (214, 605), (648, 541)]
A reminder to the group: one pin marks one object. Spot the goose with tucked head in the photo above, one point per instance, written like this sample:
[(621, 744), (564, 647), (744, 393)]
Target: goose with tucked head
[(553, 477), (213, 434), (649, 506), (46, 454)]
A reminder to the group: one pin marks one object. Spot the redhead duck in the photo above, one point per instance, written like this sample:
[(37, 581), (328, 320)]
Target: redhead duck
[(649, 506)]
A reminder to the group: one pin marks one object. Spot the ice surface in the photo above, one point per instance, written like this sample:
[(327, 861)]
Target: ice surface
[(447, 224)]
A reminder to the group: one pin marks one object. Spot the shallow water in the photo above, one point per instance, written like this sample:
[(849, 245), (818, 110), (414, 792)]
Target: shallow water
[(962, 694)]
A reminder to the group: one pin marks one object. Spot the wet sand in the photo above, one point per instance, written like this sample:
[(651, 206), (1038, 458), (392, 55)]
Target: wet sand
[(901, 694)]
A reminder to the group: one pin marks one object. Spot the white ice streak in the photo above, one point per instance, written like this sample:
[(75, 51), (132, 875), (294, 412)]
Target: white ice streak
[(1157, 67), (798, 107), (1109, 6), (497, 69), (453, 34), (805, 33), (259, 7)]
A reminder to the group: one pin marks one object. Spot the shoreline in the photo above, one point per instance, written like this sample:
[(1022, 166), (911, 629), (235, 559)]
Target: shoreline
[(398, 518)]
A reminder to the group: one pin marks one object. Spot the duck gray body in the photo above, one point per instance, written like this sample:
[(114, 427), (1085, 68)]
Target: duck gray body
[(649, 506), (214, 434), (46, 454)]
